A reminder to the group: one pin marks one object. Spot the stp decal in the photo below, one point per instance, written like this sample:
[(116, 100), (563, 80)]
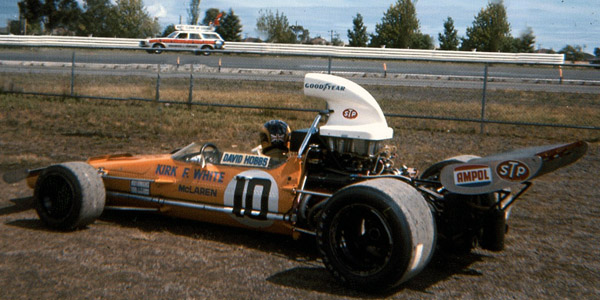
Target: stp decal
[(350, 113), (513, 170), (472, 175)]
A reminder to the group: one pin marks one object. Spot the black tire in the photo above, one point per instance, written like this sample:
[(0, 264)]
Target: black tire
[(376, 234), (204, 52), (69, 196), (494, 231), (157, 48)]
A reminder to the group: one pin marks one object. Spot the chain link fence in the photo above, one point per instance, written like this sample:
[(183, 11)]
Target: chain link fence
[(480, 95)]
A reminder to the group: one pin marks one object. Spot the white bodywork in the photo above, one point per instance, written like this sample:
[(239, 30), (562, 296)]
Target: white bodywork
[(356, 114)]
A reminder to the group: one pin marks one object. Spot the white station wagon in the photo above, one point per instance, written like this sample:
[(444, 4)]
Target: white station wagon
[(200, 39)]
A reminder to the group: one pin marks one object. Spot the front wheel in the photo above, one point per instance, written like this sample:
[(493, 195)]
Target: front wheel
[(205, 50), (376, 234), (69, 195)]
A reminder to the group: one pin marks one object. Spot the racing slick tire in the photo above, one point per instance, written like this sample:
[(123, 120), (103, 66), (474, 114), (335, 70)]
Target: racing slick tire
[(70, 195), (376, 234)]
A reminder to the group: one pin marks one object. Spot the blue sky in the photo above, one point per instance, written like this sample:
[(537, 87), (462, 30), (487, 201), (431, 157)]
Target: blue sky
[(555, 23)]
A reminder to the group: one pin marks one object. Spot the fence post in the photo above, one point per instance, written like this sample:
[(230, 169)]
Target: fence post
[(329, 67), (73, 74), (157, 94), (190, 94), (485, 76), (560, 74)]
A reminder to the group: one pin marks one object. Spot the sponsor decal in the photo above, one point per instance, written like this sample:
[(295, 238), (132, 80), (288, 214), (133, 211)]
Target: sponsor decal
[(350, 113), (513, 170), (198, 174), (247, 160), (166, 170), (197, 190), (212, 176), (140, 187), (325, 86), (472, 175)]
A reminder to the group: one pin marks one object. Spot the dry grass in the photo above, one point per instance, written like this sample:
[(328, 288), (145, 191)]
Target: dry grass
[(551, 247), (120, 123)]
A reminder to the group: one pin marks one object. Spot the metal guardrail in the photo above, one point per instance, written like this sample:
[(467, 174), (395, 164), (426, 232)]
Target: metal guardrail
[(484, 58), (299, 49)]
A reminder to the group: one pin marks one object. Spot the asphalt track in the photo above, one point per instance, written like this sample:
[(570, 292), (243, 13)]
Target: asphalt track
[(234, 67)]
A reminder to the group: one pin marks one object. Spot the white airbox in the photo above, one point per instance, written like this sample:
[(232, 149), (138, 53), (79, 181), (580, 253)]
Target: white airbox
[(357, 123)]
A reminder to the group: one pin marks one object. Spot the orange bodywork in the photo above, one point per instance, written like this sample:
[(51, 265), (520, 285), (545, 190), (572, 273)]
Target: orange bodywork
[(232, 194)]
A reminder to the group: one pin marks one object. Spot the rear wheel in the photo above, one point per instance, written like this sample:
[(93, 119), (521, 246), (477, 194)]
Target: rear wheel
[(69, 195), (157, 48), (376, 234)]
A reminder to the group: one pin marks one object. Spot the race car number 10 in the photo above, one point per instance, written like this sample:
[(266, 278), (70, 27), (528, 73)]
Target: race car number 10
[(247, 203), (252, 194)]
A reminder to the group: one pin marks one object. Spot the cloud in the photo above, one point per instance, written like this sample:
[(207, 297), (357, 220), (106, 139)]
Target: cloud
[(157, 10)]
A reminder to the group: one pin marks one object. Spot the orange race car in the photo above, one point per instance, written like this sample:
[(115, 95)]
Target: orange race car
[(376, 226)]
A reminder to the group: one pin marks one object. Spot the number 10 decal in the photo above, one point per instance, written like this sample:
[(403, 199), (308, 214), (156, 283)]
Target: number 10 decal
[(252, 194), (253, 183)]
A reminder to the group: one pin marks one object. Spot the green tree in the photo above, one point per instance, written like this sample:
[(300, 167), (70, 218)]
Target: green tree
[(336, 41), (490, 31), (275, 27), (32, 12), (231, 27), (194, 12), (168, 30), (302, 34), (134, 20), (210, 15), (398, 26), (358, 37), (98, 19), (52, 14), (421, 41), (525, 43), (448, 40), (15, 27), (572, 53), (69, 15), (597, 52)]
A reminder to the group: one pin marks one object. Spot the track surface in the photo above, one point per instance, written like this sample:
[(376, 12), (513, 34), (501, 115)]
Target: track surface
[(302, 64)]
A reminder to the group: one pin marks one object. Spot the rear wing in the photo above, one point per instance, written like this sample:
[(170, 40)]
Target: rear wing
[(497, 172)]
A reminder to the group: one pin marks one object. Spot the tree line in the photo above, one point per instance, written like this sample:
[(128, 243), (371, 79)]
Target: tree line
[(399, 26)]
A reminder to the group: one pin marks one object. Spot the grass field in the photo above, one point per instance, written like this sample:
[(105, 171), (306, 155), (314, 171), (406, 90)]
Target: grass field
[(552, 246)]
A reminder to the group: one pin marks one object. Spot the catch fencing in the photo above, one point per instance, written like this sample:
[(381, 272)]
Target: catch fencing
[(155, 74)]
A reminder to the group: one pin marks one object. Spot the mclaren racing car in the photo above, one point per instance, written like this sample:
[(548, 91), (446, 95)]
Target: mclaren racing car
[(376, 226)]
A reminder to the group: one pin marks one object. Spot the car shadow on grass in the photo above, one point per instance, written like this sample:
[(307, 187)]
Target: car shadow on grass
[(19, 205), (441, 267), (311, 275), (302, 250)]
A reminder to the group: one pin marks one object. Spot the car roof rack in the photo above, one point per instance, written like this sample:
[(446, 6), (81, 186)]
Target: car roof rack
[(194, 28)]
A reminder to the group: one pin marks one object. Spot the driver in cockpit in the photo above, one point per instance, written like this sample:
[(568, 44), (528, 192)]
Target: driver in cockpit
[(275, 140)]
